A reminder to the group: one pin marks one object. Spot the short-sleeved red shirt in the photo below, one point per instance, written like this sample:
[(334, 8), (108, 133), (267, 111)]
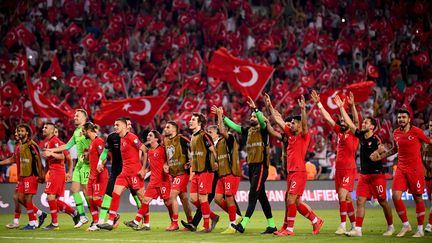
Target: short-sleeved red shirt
[(129, 147), (94, 150), (409, 145), (296, 150), (157, 159), (346, 149), (54, 165)]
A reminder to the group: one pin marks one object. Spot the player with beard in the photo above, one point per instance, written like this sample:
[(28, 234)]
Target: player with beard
[(133, 172), (18, 196), (427, 164), (159, 184), (55, 183), (298, 141), (372, 180), (257, 148), (177, 151), (31, 171), (346, 150), (98, 178), (410, 172), (112, 145), (82, 168)]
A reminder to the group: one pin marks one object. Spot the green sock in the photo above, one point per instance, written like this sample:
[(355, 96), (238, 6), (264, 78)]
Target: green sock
[(106, 203), (138, 201), (245, 221), (271, 223), (79, 203)]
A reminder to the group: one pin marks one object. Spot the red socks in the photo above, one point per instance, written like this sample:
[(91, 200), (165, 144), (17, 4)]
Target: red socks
[(343, 211), (401, 210), (142, 211), (420, 212), (115, 203), (350, 211), (292, 211), (53, 209)]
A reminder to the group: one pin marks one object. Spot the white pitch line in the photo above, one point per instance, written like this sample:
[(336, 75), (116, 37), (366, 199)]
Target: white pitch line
[(95, 239)]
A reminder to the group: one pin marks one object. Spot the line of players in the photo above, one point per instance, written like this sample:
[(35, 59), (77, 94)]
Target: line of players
[(215, 150)]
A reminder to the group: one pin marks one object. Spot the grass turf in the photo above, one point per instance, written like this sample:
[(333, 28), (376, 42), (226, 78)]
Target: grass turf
[(373, 227)]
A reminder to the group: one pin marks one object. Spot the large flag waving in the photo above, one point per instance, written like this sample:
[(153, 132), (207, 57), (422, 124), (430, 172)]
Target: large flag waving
[(139, 109), (243, 76), (42, 105)]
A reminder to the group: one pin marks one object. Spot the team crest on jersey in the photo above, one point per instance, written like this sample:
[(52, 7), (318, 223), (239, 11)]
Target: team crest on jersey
[(170, 150), (56, 145), (136, 141), (410, 137), (100, 147)]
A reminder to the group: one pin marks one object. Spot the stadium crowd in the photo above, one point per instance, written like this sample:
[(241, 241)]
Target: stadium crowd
[(134, 48)]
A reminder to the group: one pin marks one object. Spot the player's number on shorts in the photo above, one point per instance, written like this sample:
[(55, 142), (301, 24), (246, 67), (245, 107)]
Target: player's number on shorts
[(201, 185), (345, 179), (96, 187), (48, 185), (293, 185), (26, 184), (418, 184), (380, 188), (134, 180), (176, 181), (227, 185), (163, 190)]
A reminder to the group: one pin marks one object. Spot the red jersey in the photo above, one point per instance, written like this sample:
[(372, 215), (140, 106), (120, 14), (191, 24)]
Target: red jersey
[(346, 149), (54, 165), (296, 150), (129, 148), (157, 159), (94, 150), (409, 146)]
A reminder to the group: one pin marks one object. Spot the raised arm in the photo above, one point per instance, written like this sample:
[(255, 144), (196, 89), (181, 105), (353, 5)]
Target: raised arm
[(222, 129), (259, 114), (273, 132), (324, 112), (344, 114), (229, 123), (354, 112), (304, 117), (8, 161), (277, 117)]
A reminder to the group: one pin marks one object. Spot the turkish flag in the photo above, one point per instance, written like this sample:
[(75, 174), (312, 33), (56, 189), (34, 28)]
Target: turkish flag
[(42, 105), (25, 35), (72, 80), (54, 69), (291, 63), (308, 81), (327, 100), (385, 130), (102, 66), (362, 90), (139, 56), (138, 82), (280, 89), (422, 59), (243, 76), (115, 66), (9, 90), (139, 109), (171, 71), (215, 98), (189, 104), (372, 71), (11, 38), (214, 82), (143, 21), (72, 29), (163, 88), (182, 41), (90, 42), (196, 62), (21, 63)]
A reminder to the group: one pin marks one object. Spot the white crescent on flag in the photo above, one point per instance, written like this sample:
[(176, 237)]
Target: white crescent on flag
[(253, 79), (330, 102), (38, 101), (145, 110)]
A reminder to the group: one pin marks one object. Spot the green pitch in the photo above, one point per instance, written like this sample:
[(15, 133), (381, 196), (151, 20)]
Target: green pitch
[(374, 225)]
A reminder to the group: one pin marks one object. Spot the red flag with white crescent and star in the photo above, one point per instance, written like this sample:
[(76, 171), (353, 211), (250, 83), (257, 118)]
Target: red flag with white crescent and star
[(242, 75), (42, 105), (139, 109)]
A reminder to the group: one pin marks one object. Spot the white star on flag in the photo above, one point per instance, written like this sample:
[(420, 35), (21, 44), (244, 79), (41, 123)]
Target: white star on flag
[(126, 106), (236, 69)]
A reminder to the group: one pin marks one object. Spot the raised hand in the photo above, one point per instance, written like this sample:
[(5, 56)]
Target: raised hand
[(251, 103), (214, 109), (267, 100), (315, 97), (302, 102), (351, 98), (338, 101), (219, 111)]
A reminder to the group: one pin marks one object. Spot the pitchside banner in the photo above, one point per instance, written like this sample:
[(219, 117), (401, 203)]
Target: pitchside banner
[(318, 194)]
